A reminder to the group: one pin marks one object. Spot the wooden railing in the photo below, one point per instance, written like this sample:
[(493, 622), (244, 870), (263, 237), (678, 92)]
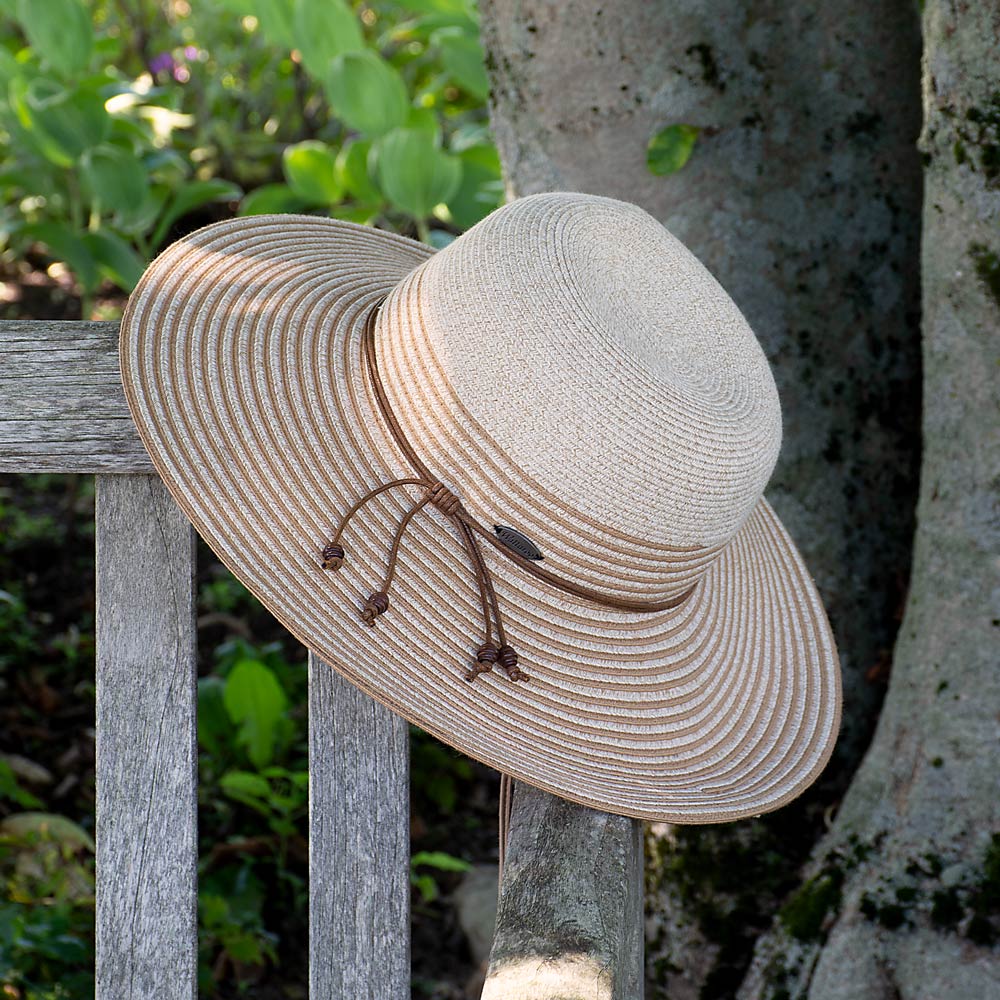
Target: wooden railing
[(570, 913)]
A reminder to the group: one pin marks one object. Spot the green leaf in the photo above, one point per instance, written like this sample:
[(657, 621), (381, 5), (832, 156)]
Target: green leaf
[(65, 245), (256, 703), (116, 260), (60, 33), (271, 198), (116, 180), (367, 93), (363, 215), (47, 826), (454, 8), (426, 886), (141, 218), (462, 56), (214, 724), (190, 196), (323, 30), (481, 189), (440, 860), (277, 21), (64, 123), (414, 174), (670, 149), (246, 787), (11, 790), (352, 172), (426, 119), (311, 171)]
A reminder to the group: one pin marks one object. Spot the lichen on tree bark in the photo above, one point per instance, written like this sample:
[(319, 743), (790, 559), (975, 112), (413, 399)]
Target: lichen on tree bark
[(917, 907)]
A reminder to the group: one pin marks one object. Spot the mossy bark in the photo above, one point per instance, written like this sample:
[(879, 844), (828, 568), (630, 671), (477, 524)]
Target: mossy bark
[(917, 913), (802, 196)]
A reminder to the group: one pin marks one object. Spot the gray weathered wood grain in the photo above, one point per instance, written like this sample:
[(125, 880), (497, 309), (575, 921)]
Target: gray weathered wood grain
[(147, 843), (359, 844), (570, 919), (62, 408)]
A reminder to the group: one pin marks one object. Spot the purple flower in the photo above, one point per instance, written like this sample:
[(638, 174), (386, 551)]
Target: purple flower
[(191, 52), (161, 63)]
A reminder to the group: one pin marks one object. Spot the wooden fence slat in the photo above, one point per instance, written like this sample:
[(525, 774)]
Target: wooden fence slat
[(359, 844), (570, 916), (62, 408), (147, 845)]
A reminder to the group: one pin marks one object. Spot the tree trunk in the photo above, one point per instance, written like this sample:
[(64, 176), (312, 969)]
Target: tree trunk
[(904, 899), (802, 197)]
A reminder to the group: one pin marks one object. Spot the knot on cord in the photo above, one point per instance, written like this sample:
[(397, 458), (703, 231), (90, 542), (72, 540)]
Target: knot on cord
[(437, 495), (444, 499)]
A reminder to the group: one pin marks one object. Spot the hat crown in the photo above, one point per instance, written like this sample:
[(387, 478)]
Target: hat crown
[(574, 372)]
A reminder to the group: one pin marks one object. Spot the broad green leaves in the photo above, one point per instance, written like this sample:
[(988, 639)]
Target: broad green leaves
[(311, 171), (272, 198), (414, 173), (59, 31), (670, 149), (115, 259), (63, 123), (188, 197), (323, 30), (66, 245), (115, 180), (367, 92), (463, 59), (256, 703)]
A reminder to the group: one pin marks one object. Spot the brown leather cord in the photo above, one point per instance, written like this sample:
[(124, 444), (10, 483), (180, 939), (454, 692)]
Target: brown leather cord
[(437, 495)]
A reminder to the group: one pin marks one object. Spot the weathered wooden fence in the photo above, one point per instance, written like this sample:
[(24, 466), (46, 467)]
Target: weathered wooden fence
[(570, 913)]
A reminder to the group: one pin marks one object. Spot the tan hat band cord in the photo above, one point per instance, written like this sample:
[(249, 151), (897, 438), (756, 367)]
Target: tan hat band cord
[(443, 499)]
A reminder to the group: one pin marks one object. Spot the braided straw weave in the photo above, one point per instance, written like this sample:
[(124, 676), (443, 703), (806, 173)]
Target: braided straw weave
[(568, 369)]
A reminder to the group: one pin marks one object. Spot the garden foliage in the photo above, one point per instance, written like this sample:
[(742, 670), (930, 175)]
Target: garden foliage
[(123, 125)]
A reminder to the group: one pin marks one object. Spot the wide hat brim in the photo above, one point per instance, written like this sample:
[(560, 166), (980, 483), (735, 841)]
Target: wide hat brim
[(241, 362)]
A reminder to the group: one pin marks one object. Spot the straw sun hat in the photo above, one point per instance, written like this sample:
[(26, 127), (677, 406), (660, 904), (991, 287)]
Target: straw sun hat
[(564, 380)]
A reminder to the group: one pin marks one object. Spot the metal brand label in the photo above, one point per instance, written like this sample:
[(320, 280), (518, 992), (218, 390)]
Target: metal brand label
[(521, 544)]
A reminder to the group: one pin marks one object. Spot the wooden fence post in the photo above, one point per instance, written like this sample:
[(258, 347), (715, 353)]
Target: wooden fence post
[(359, 843), (570, 917), (147, 810)]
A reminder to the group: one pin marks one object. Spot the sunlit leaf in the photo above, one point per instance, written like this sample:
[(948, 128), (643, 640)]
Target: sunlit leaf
[(311, 171), (323, 30), (462, 56), (60, 33), (270, 198), (256, 703), (426, 119), (277, 21), (670, 149), (455, 8), (366, 92), (64, 123), (440, 860), (352, 172), (414, 174)]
